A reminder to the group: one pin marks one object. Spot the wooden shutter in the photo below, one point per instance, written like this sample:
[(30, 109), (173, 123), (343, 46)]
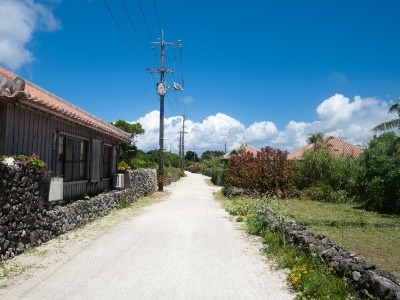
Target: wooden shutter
[(114, 158), (96, 160)]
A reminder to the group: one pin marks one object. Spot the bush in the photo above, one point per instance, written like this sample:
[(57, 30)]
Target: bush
[(324, 176), (218, 176), (267, 174), (379, 179)]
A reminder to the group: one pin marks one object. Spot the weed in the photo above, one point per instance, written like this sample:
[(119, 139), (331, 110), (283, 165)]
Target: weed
[(7, 271), (239, 219), (239, 207), (38, 252), (124, 203), (308, 275)]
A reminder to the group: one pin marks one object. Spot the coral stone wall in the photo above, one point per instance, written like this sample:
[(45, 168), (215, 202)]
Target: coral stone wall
[(365, 276), (24, 222)]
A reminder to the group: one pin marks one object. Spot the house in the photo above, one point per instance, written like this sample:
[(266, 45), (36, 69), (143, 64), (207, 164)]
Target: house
[(77, 146), (338, 147), (243, 149)]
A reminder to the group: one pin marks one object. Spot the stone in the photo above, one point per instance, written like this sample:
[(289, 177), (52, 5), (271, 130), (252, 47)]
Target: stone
[(356, 275)]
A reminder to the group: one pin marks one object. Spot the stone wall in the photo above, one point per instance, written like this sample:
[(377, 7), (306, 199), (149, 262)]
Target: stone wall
[(25, 223), (365, 276)]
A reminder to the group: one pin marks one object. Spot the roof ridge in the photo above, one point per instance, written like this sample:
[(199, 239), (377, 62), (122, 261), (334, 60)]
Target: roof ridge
[(39, 89)]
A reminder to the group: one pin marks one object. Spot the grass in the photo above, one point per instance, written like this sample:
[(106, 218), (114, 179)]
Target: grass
[(336, 214), (353, 229), (11, 269), (307, 274), (345, 224), (37, 251)]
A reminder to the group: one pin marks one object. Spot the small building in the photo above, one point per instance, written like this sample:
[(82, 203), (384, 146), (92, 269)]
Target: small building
[(242, 149), (338, 147), (77, 146)]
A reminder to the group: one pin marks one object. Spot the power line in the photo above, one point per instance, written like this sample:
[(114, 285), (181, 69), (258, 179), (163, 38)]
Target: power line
[(119, 28), (158, 20), (147, 26), (133, 26)]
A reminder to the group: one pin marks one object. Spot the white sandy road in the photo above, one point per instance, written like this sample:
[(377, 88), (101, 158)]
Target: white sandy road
[(183, 247)]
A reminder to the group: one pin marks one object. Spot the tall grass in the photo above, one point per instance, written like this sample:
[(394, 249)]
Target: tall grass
[(324, 176)]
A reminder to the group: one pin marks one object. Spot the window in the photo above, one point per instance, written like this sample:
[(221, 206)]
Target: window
[(72, 158), (107, 152)]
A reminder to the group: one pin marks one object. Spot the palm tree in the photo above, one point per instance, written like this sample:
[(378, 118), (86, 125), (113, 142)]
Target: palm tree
[(394, 123), (315, 138)]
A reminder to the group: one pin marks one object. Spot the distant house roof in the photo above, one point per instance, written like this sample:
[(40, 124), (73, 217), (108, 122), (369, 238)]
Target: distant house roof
[(247, 149), (44, 100), (338, 146)]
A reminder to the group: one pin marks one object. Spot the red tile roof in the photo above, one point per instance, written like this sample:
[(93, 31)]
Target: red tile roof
[(338, 146), (247, 149), (47, 101)]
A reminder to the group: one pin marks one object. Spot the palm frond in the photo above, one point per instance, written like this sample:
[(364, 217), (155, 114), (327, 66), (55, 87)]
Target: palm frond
[(392, 124), (394, 108)]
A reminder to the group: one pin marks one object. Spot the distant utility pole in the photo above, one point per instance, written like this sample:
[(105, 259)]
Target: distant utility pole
[(182, 142), (161, 91)]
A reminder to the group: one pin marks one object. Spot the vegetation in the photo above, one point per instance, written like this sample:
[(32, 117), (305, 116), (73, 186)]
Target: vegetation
[(374, 235), (308, 275), (354, 201), (379, 176), (128, 152), (321, 175), (267, 174), (392, 124)]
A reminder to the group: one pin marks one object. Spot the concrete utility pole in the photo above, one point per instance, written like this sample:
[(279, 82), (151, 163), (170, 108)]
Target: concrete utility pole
[(182, 142), (161, 91)]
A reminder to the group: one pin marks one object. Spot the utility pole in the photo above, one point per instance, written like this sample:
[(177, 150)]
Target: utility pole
[(182, 142), (161, 91)]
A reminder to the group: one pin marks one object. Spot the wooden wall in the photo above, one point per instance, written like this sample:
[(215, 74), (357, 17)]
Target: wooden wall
[(27, 130)]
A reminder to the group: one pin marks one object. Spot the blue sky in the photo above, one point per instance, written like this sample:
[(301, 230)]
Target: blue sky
[(259, 72)]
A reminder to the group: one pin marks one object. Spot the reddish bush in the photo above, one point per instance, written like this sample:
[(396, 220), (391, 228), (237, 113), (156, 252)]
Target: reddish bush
[(268, 173)]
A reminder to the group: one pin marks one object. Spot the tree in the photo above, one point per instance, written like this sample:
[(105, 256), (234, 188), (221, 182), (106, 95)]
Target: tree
[(315, 138), (128, 152), (133, 129), (394, 123), (211, 154), (191, 156), (379, 183)]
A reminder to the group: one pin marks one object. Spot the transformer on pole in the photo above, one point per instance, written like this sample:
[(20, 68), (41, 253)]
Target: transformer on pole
[(161, 91)]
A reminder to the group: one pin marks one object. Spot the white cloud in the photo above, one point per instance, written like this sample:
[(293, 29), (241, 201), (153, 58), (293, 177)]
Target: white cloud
[(338, 116), (19, 20), (338, 108)]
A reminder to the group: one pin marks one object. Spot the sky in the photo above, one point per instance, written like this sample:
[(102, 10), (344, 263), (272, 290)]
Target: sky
[(257, 72)]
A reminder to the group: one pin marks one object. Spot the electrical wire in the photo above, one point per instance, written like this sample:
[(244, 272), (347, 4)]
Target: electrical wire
[(147, 26), (158, 20), (119, 28), (132, 25)]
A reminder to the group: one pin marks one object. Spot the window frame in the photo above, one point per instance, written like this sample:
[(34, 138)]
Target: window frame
[(72, 157)]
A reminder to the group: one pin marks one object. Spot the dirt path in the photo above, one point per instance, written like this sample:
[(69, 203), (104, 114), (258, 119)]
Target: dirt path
[(183, 247)]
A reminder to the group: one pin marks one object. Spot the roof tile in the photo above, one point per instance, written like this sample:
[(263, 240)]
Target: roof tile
[(52, 103)]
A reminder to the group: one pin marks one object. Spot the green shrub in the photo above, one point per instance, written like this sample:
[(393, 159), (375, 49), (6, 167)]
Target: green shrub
[(123, 166), (324, 176), (307, 274), (379, 179), (218, 175), (240, 207)]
